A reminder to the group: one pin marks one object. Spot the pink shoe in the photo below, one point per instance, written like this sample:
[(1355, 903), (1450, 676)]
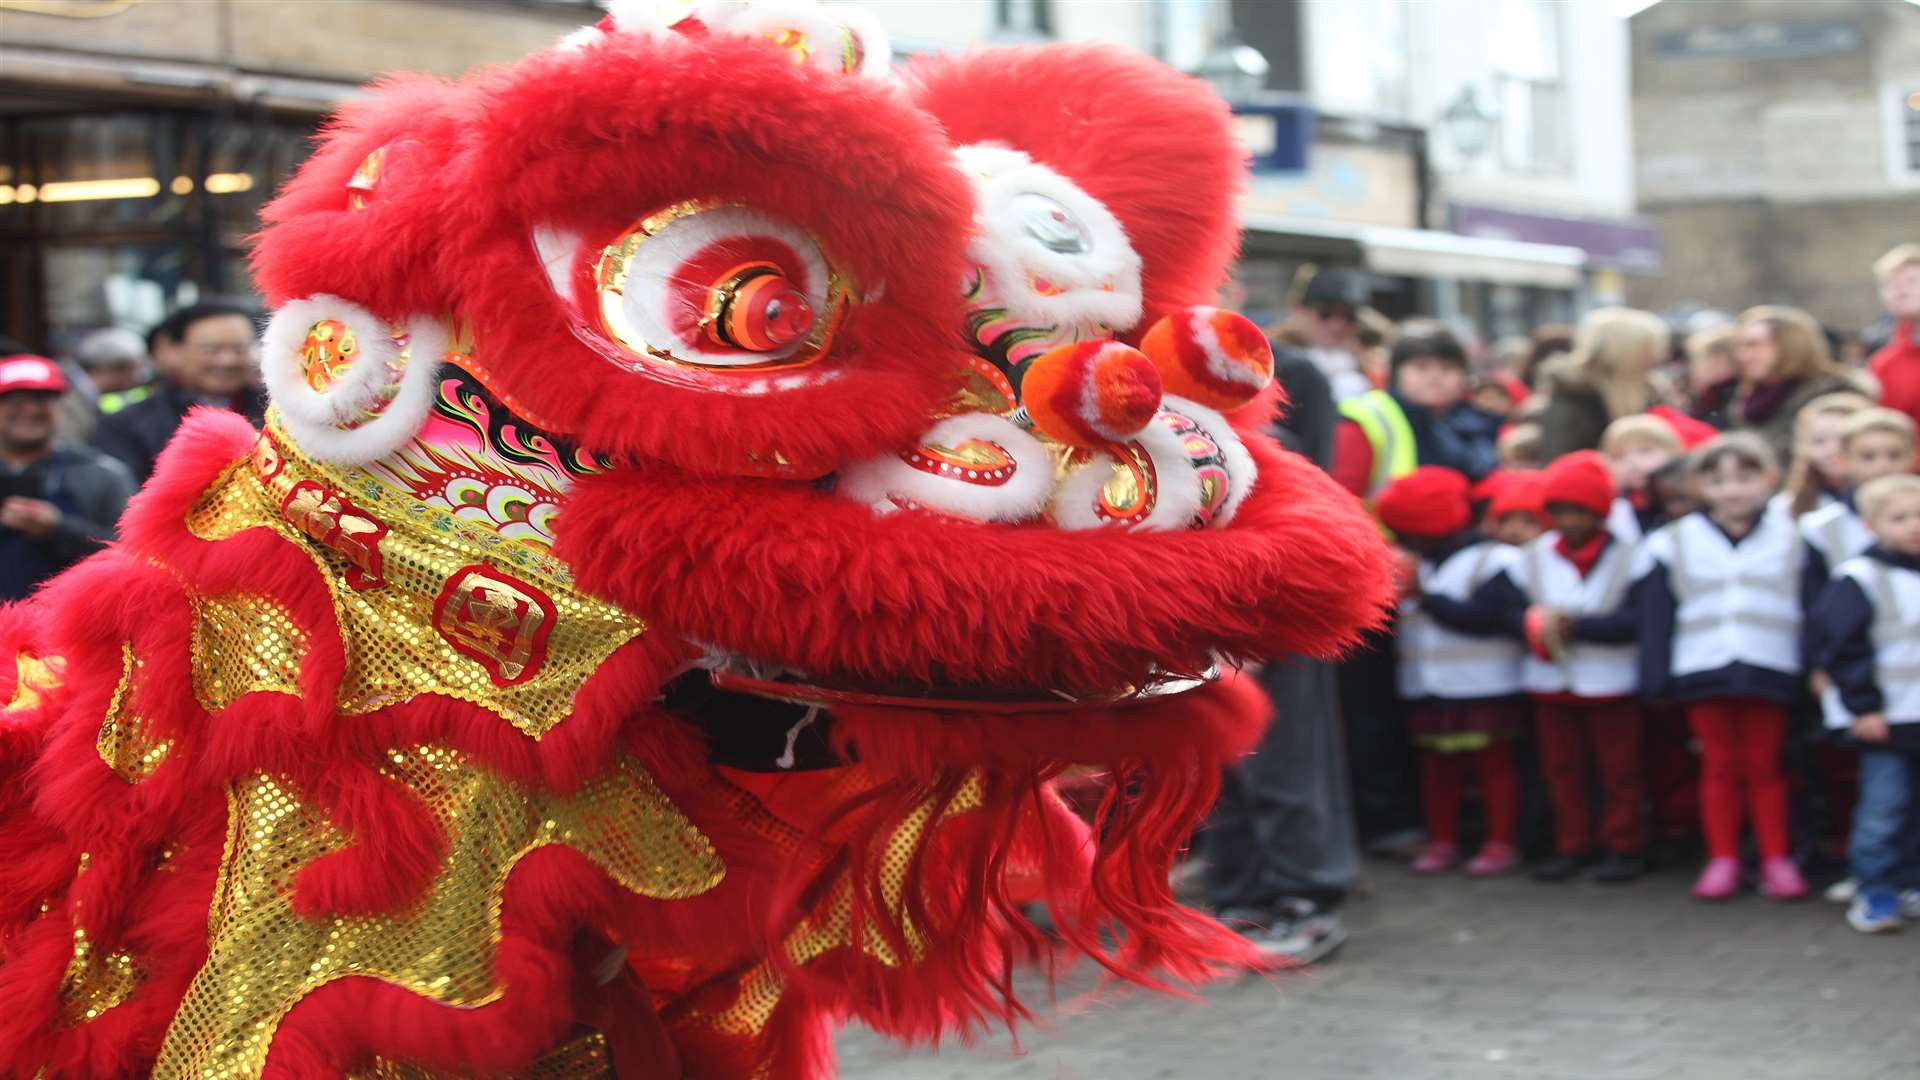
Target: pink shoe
[(1436, 858), (1719, 881), (1494, 860), (1781, 880)]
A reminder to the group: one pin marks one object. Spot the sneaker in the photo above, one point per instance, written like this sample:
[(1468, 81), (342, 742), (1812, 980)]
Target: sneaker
[(1437, 857), (1720, 880), (1780, 879), (1874, 912), (1404, 844), (1494, 860), (1619, 868), (1560, 868), (1841, 892), (1910, 904), (1301, 931)]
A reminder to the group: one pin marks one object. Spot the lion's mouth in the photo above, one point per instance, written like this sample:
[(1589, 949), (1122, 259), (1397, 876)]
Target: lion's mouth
[(741, 676)]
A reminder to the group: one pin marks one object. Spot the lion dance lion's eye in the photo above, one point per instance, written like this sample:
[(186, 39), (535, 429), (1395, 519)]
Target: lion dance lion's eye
[(718, 286)]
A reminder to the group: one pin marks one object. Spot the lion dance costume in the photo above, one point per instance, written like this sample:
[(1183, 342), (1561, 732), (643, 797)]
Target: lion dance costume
[(717, 483)]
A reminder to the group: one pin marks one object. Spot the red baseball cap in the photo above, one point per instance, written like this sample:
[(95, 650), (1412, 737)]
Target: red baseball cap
[(25, 371)]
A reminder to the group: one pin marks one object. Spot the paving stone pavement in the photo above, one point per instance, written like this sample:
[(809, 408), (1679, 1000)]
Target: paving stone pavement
[(1457, 978)]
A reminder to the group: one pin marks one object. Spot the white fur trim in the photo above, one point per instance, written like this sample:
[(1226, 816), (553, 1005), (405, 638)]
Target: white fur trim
[(882, 481), (580, 38), (1100, 288), (358, 388), (1222, 366), (1242, 473), (558, 251), (326, 423)]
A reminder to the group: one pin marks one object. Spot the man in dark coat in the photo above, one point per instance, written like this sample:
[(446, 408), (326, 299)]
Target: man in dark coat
[(207, 356), (1280, 850)]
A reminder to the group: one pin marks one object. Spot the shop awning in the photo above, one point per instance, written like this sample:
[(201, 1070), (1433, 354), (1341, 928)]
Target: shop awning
[(1430, 253)]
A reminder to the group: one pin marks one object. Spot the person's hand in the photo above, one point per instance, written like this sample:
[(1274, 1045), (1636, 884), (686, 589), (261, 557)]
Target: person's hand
[(35, 517), (1819, 682), (1871, 728), (1562, 624)]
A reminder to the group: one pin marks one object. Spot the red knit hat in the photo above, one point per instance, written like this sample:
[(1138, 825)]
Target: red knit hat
[(1581, 479), (1429, 501), (1691, 433), (1520, 492)]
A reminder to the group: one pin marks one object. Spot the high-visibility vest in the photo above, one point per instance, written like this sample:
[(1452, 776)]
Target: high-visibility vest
[(1895, 593), (1588, 669), (1836, 532), (113, 401), (1733, 603), (1438, 662), (1388, 432)]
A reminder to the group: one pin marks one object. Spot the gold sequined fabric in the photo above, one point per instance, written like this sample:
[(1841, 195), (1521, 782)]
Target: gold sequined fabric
[(585, 1058), (243, 644), (95, 981), (34, 677), (263, 958), (426, 603), (126, 741)]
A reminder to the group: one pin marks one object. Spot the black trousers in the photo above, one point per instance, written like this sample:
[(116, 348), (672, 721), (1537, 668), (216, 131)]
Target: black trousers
[(1284, 825), (1385, 772)]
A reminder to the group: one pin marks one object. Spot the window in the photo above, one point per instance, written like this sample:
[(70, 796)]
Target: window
[(1530, 84), (1900, 104)]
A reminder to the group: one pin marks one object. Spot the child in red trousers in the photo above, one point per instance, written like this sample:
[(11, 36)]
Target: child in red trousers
[(1459, 676), (1570, 605), (1717, 593)]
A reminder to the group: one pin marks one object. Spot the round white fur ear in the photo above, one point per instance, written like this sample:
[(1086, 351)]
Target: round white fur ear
[(976, 466), (349, 388)]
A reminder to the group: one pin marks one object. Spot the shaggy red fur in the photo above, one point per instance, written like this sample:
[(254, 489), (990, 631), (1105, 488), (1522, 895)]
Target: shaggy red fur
[(562, 139)]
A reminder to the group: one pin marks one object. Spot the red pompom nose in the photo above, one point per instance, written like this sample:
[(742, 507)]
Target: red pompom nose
[(761, 312)]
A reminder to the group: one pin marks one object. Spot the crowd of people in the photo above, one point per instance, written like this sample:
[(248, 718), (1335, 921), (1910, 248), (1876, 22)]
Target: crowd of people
[(1661, 604), (78, 437)]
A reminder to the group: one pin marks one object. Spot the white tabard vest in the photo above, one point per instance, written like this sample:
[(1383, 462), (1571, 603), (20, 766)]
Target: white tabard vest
[(1588, 669), (1442, 663), (1623, 522), (1895, 595), (1836, 532), (1734, 603)]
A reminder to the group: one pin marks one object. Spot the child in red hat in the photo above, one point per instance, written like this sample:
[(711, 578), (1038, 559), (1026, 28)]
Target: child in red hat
[(1516, 514), (1458, 675), (1573, 612)]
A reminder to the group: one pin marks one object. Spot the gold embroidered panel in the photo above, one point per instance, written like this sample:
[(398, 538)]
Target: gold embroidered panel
[(585, 1058), (243, 644), (126, 741), (95, 981), (263, 958), (426, 602)]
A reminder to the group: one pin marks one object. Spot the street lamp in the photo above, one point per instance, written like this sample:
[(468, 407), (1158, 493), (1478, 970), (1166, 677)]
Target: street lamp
[(1236, 70), (1469, 124)]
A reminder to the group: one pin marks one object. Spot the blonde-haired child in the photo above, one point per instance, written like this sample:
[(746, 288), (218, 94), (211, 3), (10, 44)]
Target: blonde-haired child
[(1635, 447), (1897, 364), (1874, 442), (1819, 462), (1866, 631)]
